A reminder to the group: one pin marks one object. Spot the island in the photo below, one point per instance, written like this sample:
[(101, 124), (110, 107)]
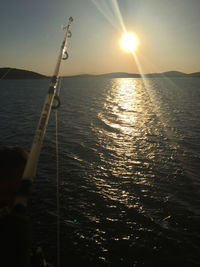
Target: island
[(12, 73)]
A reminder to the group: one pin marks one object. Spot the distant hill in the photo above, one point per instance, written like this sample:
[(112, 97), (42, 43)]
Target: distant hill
[(135, 75), (120, 75), (108, 75), (195, 74), (12, 73), (167, 74)]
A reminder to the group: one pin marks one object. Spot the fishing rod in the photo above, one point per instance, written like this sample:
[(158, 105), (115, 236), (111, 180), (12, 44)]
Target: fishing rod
[(31, 165)]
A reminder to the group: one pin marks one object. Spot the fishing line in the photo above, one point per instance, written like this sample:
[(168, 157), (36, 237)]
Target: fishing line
[(57, 180)]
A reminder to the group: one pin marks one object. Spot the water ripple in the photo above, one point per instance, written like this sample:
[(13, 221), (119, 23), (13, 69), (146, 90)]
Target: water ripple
[(129, 169)]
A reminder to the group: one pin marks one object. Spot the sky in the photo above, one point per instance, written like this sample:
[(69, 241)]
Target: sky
[(168, 31)]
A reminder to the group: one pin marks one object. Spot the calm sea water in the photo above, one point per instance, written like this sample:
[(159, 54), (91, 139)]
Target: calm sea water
[(129, 169)]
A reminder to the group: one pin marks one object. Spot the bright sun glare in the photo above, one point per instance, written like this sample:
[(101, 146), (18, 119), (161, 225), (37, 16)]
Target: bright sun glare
[(129, 42)]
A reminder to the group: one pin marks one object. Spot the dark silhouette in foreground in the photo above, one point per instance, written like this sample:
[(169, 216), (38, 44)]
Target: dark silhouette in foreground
[(15, 225)]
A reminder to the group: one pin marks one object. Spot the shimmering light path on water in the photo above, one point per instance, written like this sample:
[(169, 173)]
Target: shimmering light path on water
[(129, 161)]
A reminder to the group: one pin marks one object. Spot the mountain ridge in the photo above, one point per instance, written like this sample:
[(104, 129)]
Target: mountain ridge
[(136, 75), (13, 73)]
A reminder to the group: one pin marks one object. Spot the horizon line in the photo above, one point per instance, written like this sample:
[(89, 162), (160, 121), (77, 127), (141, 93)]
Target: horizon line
[(95, 74)]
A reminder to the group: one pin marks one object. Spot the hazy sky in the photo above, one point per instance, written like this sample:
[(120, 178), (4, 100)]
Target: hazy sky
[(168, 32)]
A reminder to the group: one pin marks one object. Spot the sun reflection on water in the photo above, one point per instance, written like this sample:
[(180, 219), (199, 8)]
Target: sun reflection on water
[(120, 135), (131, 147), (121, 104), (125, 94), (121, 119)]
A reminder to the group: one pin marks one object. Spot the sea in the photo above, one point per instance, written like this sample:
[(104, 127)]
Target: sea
[(129, 169)]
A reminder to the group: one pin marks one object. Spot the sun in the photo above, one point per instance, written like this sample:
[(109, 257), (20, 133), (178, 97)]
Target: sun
[(129, 42)]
